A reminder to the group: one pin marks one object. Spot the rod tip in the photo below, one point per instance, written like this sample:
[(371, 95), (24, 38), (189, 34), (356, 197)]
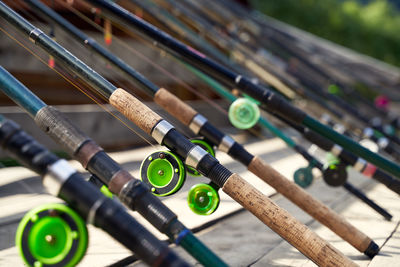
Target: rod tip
[(372, 250)]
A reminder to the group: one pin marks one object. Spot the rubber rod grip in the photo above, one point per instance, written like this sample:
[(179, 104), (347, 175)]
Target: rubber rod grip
[(284, 224)]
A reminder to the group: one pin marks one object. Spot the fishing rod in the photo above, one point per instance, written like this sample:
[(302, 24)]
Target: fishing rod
[(63, 181), (269, 101), (279, 220), (131, 191), (215, 137)]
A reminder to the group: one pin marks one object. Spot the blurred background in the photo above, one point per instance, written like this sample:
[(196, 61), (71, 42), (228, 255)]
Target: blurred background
[(370, 27)]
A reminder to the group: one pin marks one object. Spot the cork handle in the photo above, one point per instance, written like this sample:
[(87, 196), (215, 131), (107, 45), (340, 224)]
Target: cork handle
[(309, 204), (174, 106), (284, 224), (134, 110)]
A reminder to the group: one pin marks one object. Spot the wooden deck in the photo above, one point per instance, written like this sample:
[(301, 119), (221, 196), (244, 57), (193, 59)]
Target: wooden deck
[(234, 234)]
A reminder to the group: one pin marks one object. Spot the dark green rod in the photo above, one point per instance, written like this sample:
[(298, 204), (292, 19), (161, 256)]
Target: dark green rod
[(270, 101)]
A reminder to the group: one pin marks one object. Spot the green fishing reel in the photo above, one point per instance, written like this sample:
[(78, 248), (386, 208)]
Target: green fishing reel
[(243, 113), (335, 173), (303, 176), (203, 199), (164, 172), (52, 235), (204, 145)]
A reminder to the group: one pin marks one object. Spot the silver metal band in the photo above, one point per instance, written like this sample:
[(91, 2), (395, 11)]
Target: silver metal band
[(368, 132), (383, 142), (339, 128), (336, 150), (238, 78), (92, 212), (226, 143), (360, 164), (194, 156), (197, 122), (57, 174), (161, 130), (325, 118), (34, 34)]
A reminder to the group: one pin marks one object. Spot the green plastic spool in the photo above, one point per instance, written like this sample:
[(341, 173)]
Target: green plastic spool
[(207, 147), (163, 172), (203, 199), (52, 235), (243, 113), (303, 177), (104, 189)]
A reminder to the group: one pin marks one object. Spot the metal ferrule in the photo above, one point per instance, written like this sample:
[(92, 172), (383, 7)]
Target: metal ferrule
[(194, 156), (57, 174), (92, 212), (238, 78), (226, 143), (368, 132), (360, 165), (161, 130), (383, 142), (325, 118), (197, 122), (339, 128), (34, 34), (336, 150)]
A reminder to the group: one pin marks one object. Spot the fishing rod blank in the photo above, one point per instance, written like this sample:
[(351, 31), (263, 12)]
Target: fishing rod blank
[(279, 220), (132, 192), (191, 118), (63, 181), (269, 101)]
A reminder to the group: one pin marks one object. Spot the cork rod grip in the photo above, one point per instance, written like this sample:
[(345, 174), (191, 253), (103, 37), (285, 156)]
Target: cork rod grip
[(174, 106), (284, 224), (309, 204), (134, 110)]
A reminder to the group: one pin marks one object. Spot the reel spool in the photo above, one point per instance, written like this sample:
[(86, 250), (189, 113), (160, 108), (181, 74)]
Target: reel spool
[(204, 145), (243, 113), (163, 172), (52, 235), (335, 173), (100, 185), (203, 199), (303, 176)]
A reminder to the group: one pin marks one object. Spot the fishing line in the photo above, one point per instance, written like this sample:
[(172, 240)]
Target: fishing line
[(254, 131), (142, 56), (75, 85)]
